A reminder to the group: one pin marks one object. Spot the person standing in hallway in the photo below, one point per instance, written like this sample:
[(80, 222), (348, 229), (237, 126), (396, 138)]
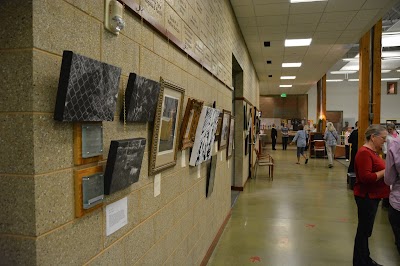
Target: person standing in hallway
[(353, 140), (274, 135), (285, 136), (331, 138), (392, 178), (368, 190), (346, 143), (300, 139)]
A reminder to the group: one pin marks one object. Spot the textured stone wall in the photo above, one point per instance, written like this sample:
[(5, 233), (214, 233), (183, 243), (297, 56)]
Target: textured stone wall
[(37, 221)]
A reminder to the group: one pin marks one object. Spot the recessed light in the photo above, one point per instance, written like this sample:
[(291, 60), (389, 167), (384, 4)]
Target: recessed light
[(288, 77), (291, 64), (334, 80), (390, 79), (306, 1), (285, 86), (344, 72), (297, 42), (269, 62), (267, 44)]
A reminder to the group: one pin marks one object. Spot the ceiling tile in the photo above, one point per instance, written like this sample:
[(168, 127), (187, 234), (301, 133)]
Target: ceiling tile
[(272, 9), (344, 5), (273, 29), (241, 2), (371, 4), (339, 25), (305, 18), (272, 20), (366, 14), (334, 17), (244, 11), (307, 8), (281, 36), (331, 35), (296, 28)]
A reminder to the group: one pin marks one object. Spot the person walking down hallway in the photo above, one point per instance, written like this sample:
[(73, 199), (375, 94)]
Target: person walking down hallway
[(274, 135), (392, 178), (285, 136), (368, 190), (300, 138), (331, 138)]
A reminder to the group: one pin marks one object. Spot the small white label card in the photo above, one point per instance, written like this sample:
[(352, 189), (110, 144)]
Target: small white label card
[(228, 163), (116, 215), (183, 159), (216, 146), (198, 171), (157, 185), (220, 155)]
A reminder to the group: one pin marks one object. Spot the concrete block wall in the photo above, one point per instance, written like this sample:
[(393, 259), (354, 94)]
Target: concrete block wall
[(37, 221)]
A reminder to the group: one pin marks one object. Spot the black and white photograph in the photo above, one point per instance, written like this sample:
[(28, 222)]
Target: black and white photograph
[(141, 97), (87, 89), (223, 137), (123, 164), (205, 134)]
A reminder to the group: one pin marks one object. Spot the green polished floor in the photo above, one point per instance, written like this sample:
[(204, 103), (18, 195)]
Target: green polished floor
[(306, 216)]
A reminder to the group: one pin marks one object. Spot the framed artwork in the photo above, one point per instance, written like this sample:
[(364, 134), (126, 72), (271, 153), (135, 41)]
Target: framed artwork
[(219, 126), (140, 101), (223, 137), (205, 135), (87, 89), (164, 145), (189, 123), (392, 88), (123, 164), (229, 150), (211, 168)]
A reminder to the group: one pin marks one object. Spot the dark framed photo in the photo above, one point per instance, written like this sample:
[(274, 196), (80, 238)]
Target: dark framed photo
[(392, 88), (164, 145), (231, 138), (223, 137), (189, 123)]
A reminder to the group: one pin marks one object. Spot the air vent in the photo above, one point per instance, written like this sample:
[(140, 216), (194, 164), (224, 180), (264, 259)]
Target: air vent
[(267, 44)]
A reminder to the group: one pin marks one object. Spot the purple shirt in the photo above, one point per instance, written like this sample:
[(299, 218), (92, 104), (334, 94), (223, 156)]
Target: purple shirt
[(392, 172)]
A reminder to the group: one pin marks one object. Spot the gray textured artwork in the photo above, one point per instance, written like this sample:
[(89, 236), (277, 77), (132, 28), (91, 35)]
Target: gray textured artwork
[(141, 98), (205, 134), (211, 168), (87, 89), (123, 164)]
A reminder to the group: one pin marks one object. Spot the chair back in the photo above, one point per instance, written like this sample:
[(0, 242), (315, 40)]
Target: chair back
[(319, 145)]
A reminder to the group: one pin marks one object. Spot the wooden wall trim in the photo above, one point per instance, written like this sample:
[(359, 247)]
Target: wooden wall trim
[(376, 86), (363, 87)]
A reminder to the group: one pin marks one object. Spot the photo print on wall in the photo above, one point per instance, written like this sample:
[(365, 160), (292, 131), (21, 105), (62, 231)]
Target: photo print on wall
[(205, 134), (189, 123), (211, 168), (87, 89), (141, 97), (223, 137), (123, 164)]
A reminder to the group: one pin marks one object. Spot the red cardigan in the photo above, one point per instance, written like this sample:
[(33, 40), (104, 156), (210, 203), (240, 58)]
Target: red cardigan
[(366, 164)]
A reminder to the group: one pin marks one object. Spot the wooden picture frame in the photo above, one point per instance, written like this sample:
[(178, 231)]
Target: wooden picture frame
[(189, 123), (223, 137), (164, 145), (392, 88), (231, 138)]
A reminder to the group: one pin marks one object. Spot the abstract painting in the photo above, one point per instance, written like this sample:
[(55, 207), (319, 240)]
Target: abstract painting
[(123, 164), (205, 134), (211, 168), (164, 144), (229, 150), (190, 122), (87, 89), (223, 137), (141, 97)]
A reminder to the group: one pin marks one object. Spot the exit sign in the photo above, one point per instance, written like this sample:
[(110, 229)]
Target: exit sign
[(283, 95)]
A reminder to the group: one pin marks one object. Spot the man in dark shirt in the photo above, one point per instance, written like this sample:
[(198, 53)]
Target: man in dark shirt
[(353, 139), (274, 135)]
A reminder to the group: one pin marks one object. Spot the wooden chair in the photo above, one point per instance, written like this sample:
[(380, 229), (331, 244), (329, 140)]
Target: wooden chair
[(264, 160), (319, 146)]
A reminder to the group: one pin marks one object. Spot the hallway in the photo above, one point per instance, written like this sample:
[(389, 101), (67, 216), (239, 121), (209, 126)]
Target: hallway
[(306, 216)]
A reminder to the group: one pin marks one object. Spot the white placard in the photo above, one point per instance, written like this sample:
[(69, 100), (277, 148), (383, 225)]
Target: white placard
[(198, 171), (183, 159), (220, 155), (157, 185), (216, 146), (116, 215), (228, 163)]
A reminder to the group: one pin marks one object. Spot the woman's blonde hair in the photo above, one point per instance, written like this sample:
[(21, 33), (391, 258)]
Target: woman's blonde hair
[(330, 126)]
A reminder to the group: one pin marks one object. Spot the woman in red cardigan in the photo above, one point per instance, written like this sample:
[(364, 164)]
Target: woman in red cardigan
[(369, 189)]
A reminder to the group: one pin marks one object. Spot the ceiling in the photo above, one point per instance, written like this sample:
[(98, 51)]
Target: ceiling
[(335, 27)]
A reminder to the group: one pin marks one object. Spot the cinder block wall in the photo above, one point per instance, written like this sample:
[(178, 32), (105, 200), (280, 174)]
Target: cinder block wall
[(37, 221)]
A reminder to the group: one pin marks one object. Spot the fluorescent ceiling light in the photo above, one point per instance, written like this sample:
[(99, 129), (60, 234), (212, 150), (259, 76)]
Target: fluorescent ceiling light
[(297, 42), (391, 40), (291, 64), (306, 1), (353, 79), (334, 80), (390, 79), (344, 72), (288, 77), (385, 70), (285, 86), (350, 59)]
